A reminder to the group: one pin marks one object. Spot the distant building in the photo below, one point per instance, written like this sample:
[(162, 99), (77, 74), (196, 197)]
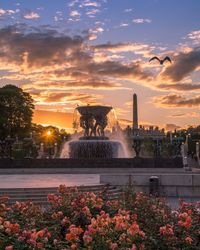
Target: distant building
[(153, 132), (136, 130)]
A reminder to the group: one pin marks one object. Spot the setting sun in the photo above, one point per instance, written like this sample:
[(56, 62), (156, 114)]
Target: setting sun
[(48, 133)]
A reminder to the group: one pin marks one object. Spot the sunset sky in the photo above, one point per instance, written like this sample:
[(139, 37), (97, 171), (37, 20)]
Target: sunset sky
[(66, 53)]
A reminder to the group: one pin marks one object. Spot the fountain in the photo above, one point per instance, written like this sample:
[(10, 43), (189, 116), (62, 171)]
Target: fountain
[(94, 143)]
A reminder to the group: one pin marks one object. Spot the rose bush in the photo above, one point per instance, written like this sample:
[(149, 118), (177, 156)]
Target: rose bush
[(77, 220)]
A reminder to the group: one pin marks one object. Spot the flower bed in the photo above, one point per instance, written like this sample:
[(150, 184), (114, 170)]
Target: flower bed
[(76, 220)]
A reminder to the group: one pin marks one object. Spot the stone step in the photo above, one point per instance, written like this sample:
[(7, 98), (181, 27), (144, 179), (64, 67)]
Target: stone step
[(43, 201), (90, 187), (80, 188), (17, 190), (39, 195), (46, 192), (44, 197)]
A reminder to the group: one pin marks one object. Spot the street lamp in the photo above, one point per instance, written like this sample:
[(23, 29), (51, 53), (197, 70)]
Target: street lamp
[(55, 149), (157, 146), (9, 142), (49, 134), (137, 142), (197, 152)]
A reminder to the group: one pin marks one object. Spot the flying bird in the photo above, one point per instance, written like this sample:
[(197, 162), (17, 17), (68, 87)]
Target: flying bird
[(161, 61)]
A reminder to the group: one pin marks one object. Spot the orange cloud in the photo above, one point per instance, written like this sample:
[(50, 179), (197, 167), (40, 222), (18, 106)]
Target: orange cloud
[(179, 86), (137, 48), (176, 101)]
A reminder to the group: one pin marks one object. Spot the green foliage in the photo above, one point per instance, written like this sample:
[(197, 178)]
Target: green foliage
[(18, 153), (16, 109)]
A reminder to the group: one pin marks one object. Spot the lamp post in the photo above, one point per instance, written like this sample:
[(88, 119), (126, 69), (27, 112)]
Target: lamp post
[(171, 138), (49, 135), (9, 141), (197, 152), (41, 151), (157, 146), (177, 142), (184, 156), (55, 149), (2, 149), (137, 142), (28, 144)]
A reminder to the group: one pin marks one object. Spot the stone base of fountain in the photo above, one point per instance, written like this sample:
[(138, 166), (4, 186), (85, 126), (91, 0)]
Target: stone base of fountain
[(94, 138), (95, 148)]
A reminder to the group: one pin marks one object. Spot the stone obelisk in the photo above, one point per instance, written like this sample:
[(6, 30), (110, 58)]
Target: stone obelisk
[(135, 112)]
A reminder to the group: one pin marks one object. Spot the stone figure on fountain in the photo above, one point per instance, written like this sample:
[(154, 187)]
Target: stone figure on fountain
[(87, 123), (93, 125), (103, 122)]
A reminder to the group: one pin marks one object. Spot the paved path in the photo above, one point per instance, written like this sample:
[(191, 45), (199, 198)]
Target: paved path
[(47, 180)]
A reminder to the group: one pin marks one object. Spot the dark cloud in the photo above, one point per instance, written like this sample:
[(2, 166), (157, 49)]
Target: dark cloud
[(109, 46), (70, 57), (45, 48), (183, 64), (107, 68), (174, 100), (117, 69), (37, 48), (179, 86), (115, 47), (86, 83), (62, 96)]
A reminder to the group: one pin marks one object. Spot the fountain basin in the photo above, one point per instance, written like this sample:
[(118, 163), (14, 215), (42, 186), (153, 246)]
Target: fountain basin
[(94, 144), (94, 110), (94, 149)]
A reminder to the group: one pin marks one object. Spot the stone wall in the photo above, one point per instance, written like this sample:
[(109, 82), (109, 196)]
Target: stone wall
[(170, 184), (93, 163)]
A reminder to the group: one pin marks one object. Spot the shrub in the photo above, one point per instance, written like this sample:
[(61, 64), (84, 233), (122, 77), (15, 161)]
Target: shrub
[(76, 220)]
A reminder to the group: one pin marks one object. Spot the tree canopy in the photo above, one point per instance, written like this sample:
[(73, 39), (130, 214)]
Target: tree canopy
[(16, 110)]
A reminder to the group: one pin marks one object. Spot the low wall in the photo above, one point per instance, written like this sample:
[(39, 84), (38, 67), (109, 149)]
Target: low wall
[(170, 184), (93, 163)]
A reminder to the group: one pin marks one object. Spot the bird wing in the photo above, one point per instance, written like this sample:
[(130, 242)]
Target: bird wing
[(167, 58), (153, 58)]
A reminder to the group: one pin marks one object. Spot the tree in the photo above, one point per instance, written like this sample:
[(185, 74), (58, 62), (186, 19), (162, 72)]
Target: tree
[(16, 110)]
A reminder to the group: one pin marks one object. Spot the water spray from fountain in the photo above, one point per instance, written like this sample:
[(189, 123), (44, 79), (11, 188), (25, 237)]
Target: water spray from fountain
[(96, 123)]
